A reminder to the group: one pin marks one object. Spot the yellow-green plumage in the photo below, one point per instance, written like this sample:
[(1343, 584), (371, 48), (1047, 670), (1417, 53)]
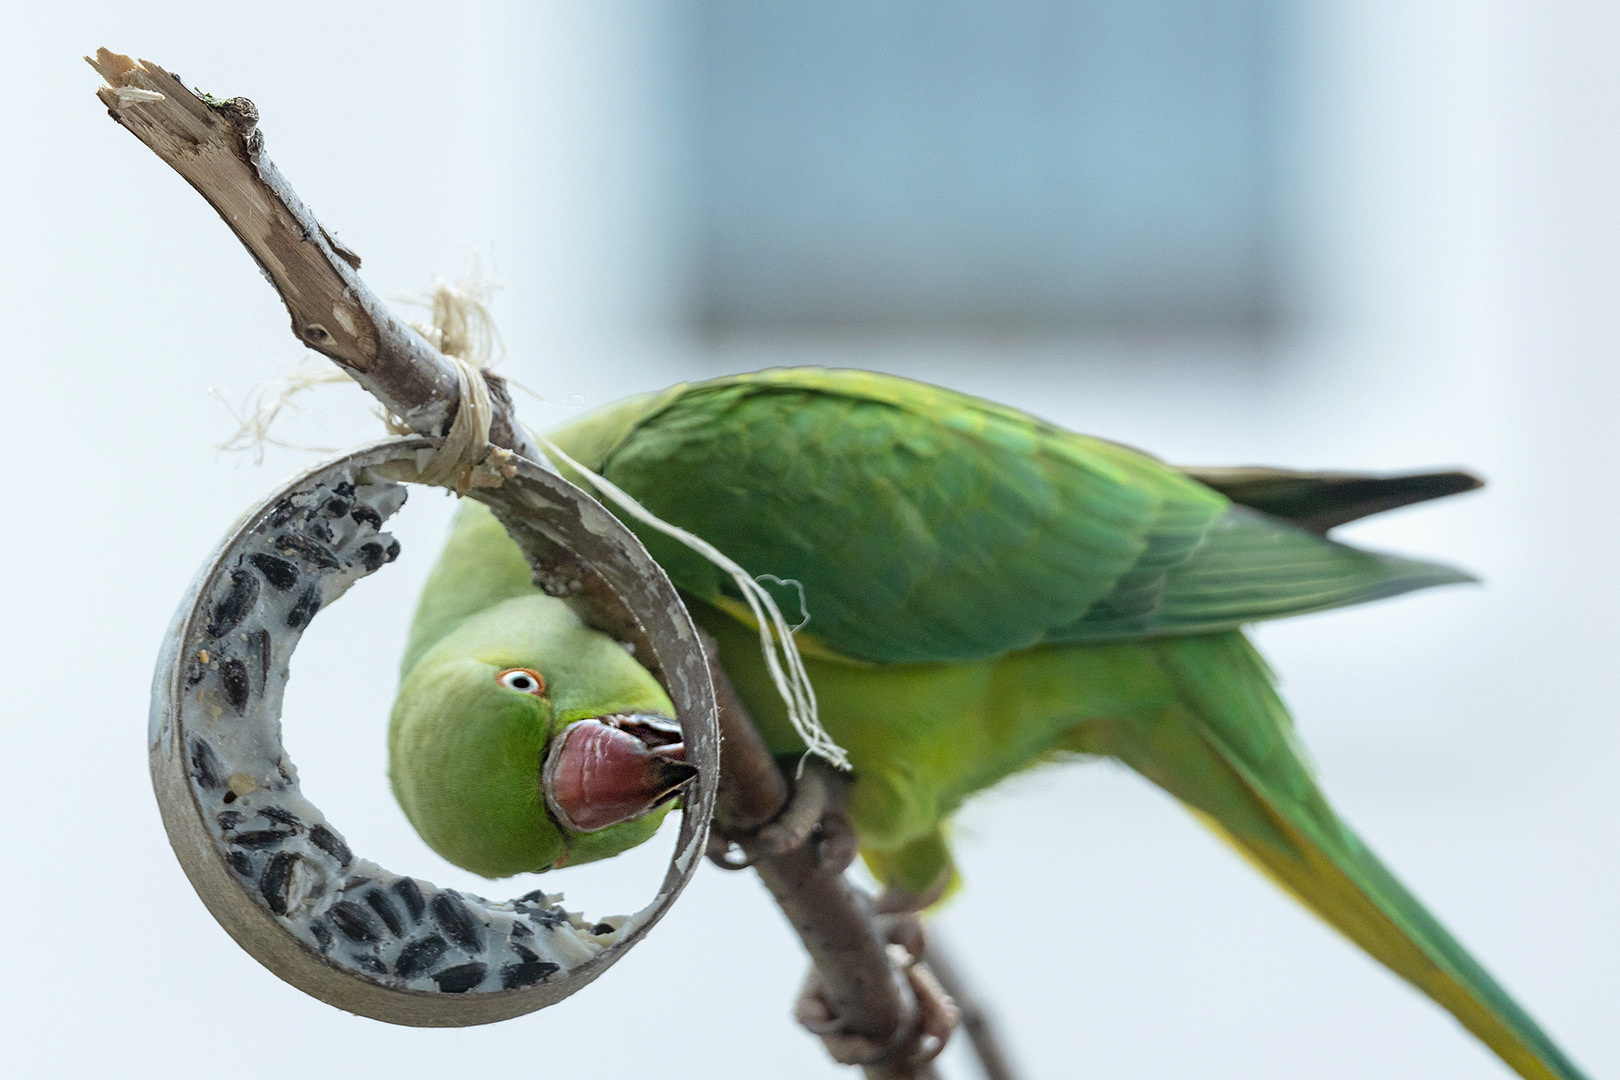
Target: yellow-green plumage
[(465, 752), (987, 592)]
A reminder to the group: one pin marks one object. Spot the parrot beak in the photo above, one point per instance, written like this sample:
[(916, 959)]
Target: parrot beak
[(603, 771)]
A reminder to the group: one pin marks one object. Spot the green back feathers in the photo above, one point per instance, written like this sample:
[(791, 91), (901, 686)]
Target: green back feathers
[(926, 525)]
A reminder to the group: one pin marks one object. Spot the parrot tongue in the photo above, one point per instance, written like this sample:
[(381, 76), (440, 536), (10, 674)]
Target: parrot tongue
[(602, 772)]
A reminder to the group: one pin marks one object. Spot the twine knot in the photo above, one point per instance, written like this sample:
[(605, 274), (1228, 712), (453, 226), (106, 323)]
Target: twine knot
[(465, 459)]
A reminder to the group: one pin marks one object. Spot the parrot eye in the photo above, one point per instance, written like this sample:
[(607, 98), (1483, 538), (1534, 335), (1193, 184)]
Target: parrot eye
[(523, 680)]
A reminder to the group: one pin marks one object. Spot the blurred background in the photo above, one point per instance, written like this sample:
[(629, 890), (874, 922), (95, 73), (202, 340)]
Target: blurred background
[(1327, 233)]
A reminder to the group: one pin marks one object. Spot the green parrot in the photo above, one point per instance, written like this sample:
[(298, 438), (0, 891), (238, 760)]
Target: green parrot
[(984, 592)]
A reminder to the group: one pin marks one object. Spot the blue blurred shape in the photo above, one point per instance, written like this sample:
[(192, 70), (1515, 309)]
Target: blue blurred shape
[(952, 165)]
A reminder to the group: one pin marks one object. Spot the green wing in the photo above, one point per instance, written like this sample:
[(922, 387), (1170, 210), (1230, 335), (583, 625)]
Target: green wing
[(925, 525)]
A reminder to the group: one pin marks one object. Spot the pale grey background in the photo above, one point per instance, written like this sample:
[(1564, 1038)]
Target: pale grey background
[(1457, 209)]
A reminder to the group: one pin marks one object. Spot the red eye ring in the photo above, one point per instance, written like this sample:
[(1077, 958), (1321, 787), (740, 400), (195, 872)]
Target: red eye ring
[(523, 680)]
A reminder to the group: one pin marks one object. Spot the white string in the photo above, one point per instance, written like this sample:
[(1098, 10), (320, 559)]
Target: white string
[(462, 330), (775, 635)]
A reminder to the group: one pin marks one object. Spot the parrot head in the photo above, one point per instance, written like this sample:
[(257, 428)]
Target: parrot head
[(524, 740)]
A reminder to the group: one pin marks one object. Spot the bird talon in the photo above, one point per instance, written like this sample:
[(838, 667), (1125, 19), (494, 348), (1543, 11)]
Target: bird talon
[(816, 1015), (897, 901), (937, 1014), (813, 795), (836, 842), (726, 854)]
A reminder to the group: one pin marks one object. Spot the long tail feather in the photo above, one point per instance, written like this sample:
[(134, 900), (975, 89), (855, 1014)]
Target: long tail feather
[(1324, 500), (1226, 749)]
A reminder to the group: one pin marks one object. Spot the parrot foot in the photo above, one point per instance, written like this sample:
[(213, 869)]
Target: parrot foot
[(919, 1043), (899, 901), (725, 853), (815, 792), (814, 814)]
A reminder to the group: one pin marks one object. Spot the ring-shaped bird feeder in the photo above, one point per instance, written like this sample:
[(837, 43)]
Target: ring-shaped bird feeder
[(276, 874)]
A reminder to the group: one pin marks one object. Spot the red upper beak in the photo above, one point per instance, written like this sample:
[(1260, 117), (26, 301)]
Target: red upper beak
[(600, 772)]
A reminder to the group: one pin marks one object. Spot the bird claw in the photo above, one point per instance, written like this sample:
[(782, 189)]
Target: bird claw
[(916, 1044), (813, 814), (898, 901), (937, 1014), (725, 853), (812, 794)]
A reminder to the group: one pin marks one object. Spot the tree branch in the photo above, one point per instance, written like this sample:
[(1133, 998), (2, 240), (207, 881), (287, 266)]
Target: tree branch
[(862, 997), (977, 1024), (217, 147)]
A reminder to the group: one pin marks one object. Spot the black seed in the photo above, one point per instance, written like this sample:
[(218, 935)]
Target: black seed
[(230, 797), (418, 956), (233, 677), (231, 610), (204, 765), (393, 549), (260, 838), (521, 930), (602, 928), (355, 922), (461, 978), (524, 953), (371, 556), (311, 552), (365, 515), (229, 819), (323, 936), (331, 843), (320, 530), (263, 638), (457, 922), (548, 917), (378, 901), (276, 881), (282, 514), (286, 817), (527, 973), (409, 892), (335, 507), (280, 573), (536, 897), (344, 488), (242, 863), (303, 611), (370, 963)]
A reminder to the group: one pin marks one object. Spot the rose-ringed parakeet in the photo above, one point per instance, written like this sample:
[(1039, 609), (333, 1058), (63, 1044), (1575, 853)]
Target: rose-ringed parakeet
[(984, 592)]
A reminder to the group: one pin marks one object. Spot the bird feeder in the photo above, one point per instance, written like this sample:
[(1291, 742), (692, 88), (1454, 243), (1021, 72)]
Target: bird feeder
[(279, 876)]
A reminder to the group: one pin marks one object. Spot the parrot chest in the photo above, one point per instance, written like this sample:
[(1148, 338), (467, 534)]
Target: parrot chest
[(924, 737)]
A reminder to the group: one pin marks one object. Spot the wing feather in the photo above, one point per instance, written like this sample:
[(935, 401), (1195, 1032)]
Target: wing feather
[(926, 525)]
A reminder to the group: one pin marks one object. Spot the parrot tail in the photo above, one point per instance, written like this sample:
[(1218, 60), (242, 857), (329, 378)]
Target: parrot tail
[(1226, 748)]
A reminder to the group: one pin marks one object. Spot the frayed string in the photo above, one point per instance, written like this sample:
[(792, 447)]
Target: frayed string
[(461, 328), (775, 635)]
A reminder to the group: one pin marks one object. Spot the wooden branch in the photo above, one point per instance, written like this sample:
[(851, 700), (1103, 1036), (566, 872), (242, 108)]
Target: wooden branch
[(977, 1024), (859, 998), (217, 147), (870, 1013)]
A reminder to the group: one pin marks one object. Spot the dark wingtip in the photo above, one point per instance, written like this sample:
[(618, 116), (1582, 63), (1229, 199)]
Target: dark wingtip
[(1324, 500)]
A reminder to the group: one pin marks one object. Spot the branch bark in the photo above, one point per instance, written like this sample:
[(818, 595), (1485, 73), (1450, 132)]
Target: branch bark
[(217, 147), (977, 1023), (862, 995)]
